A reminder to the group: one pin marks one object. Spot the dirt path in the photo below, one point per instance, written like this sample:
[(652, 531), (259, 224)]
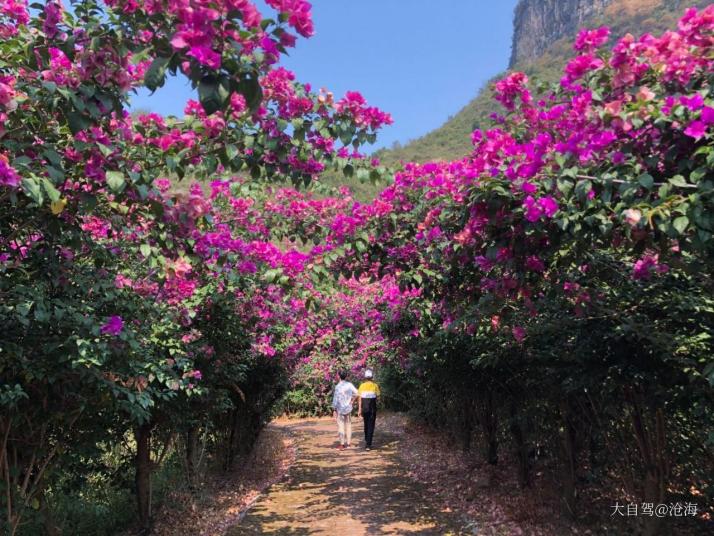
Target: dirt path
[(349, 493)]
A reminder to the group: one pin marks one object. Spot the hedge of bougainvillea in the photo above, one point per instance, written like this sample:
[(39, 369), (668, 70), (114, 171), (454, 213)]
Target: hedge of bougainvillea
[(551, 292)]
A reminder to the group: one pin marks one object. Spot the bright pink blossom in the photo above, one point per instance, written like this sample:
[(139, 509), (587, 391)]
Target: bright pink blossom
[(707, 116), (8, 175), (648, 265), (206, 56), (588, 40), (113, 326), (696, 130)]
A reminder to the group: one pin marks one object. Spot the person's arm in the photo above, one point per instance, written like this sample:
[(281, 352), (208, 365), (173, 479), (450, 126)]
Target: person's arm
[(359, 401), (355, 394), (334, 403)]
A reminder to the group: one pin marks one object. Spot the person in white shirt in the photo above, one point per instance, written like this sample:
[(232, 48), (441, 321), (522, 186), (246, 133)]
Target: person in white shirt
[(345, 394)]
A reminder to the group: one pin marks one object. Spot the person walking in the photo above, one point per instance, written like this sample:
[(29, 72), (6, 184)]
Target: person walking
[(367, 406), (342, 400)]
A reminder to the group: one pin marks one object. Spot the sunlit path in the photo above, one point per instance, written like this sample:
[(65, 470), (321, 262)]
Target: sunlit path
[(351, 492)]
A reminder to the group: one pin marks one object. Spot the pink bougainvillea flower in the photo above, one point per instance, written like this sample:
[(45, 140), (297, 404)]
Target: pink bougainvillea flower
[(298, 12), (549, 206), (535, 264), (632, 216), (519, 333), (533, 211), (707, 116), (588, 40), (536, 208), (196, 374), (512, 88), (53, 17), (8, 175), (206, 56), (648, 265), (693, 103), (121, 281), (113, 326), (529, 187), (179, 268), (645, 94), (696, 130)]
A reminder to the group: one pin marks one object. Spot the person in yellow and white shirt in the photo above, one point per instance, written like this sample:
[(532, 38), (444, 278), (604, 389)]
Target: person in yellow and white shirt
[(367, 406)]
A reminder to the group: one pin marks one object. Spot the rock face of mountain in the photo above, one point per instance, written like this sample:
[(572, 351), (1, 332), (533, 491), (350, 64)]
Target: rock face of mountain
[(539, 23)]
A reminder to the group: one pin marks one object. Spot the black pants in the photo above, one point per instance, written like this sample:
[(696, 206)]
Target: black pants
[(370, 418)]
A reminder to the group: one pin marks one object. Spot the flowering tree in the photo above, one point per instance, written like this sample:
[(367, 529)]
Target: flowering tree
[(114, 286)]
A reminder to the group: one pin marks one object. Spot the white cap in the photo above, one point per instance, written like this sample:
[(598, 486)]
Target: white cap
[(368, 373)]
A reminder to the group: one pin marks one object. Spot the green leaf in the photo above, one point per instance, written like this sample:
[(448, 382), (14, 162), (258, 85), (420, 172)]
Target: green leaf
[(50, 189), (582, 189), (698, 174), (116, 180), (57, 175), (681, 224), (145, 249), (362, 174), (214, 92), (32, 188), (231, 151), (76, 121), (106, 151), (664, 191), (271, 275), (156, 74), (646, 180), (677, 180), (565, 185), (53, 156), (251, 90)]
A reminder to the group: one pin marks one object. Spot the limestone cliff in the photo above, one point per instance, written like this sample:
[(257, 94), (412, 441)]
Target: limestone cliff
[(537, 24)]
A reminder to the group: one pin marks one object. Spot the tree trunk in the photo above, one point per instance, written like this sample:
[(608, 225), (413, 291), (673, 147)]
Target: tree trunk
[(488, 421), (143, 474), (521, 450), (191, 456), (651, 442), (568, 461), (232, 440), (48, 521)]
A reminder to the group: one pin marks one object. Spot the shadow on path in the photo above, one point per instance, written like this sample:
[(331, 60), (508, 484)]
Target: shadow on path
[(351, 492)]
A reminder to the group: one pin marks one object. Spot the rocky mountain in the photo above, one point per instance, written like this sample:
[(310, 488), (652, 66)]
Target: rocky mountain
[(537, 24)]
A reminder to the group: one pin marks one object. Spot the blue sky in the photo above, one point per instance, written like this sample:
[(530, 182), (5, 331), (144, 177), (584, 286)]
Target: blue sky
[(420, 60)]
